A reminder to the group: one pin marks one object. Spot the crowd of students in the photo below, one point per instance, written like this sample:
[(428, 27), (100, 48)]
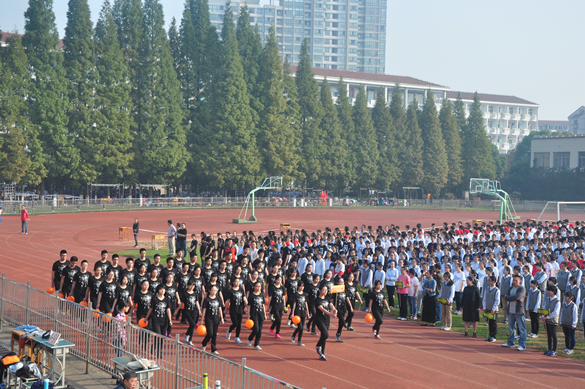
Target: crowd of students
[(525, 271)]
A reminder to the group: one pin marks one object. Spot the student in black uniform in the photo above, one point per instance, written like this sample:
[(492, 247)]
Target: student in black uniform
[(183, 279), (377, 303), (313, 293), (103, 263), (81, 283), (191, 311), (154, 281), (236, 300), (352, 292), (324, 310), (161, 315), (124, 293), (116, 267), (108, 294), (212, 316), (130, 272), (291, 284), (256, 313), (141, 275), (300, 308), (342, 304), (143, 301), (56, 270), (276, 294), (327, 281), (172, 295), (93, 289), (68, 276)]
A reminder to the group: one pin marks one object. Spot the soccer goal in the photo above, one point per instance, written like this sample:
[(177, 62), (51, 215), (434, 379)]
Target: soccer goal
[(560, 210)]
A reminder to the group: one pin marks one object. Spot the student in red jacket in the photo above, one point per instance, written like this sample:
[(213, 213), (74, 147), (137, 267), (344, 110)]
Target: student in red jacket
[(24, 220)]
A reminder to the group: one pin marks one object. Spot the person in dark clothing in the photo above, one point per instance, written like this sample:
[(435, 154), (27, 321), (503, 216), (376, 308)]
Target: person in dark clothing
[(135, 231), (236, 301), (300, 308), (212, 315), (471, 303), (377, 303), (191, 311), (324, 309), (256, 313)]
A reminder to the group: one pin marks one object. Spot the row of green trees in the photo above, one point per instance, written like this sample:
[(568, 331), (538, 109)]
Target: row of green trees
[(127, 101)]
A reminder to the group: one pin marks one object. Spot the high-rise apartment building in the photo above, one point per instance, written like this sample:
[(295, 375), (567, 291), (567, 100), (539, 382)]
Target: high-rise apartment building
[(342, 34)]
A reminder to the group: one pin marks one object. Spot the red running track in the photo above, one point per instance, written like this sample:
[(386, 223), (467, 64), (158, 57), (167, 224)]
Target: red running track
[(407, 356)]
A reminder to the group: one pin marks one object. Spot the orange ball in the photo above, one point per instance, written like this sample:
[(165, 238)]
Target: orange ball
[(266, 301), (71, 298), (107, 317), (142, 323), (296, 319), (201, 330), (51, 290), (84, 303), (369, 318), (61, 295), (249, 323)]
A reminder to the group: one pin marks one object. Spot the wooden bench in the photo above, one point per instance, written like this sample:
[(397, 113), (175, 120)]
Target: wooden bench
[(158, 241), (284, 226)]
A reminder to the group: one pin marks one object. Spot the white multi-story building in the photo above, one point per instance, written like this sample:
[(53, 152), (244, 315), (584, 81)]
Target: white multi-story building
[(507, 119), (342, 34)]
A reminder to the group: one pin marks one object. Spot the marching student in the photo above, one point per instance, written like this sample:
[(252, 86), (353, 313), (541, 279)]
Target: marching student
[(191, 311), (236, 302), (276, 294), (312, 294), (300, 308), (551, 321), (352, 292), (256, 313), (532, 305), (447, 293), (569, 319), (342, 304), (211, 316), (491, 298), (322, 319), (376, 307)]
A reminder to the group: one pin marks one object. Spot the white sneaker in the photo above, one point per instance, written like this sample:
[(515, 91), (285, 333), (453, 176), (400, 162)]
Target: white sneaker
[(228, 335), (203, 348), (249, 343), (507, 345), (215, 352), (565, 350), (569, 352), (520, 348), (530, 335), (258, 348), (190, 344), (186, 338), (398, 318), (443, 328), (238, 341), (446, 328)]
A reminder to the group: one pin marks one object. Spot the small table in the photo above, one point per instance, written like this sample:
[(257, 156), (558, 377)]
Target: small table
[(284, 226), (144, 375), (156, 238), (56, 355), (124, 233)]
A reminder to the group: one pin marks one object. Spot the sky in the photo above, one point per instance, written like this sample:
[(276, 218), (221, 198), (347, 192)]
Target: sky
[(532, 49)]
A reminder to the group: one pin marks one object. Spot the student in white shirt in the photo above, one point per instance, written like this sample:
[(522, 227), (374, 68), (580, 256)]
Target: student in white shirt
[(459, 284), (391, 276)]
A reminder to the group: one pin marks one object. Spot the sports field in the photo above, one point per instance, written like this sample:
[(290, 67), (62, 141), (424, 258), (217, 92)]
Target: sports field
[(407, 356)]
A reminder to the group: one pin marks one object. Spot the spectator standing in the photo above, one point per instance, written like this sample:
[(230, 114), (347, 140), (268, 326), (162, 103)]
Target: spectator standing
[(171, 238), (136, 230), (24, 220), (182, 239)]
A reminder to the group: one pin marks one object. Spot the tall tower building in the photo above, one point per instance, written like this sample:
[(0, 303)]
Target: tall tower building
[(342, 34)]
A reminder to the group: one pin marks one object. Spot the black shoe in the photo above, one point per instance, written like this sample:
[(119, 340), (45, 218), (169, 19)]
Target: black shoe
[(308, 328), (474, 335), (314, 333), (466, 334)]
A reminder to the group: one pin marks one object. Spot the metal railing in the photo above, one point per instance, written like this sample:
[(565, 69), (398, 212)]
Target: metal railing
[(98, 338), (79, 205)]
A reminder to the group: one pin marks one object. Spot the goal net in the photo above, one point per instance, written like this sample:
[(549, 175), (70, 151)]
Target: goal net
[(561, 210)]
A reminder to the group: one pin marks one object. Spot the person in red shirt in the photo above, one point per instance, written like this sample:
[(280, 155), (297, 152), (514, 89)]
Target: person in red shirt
[(24, 220)]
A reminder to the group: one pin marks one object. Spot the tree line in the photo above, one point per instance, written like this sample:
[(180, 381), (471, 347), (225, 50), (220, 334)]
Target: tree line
[(127, 101)]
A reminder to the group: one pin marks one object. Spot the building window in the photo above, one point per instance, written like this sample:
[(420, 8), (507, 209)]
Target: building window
[(581, 158), (511, 110), (561, 159), (530, 111), (541, 159)]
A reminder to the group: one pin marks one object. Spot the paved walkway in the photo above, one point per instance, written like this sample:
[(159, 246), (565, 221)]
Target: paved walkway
[(76, 377)]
